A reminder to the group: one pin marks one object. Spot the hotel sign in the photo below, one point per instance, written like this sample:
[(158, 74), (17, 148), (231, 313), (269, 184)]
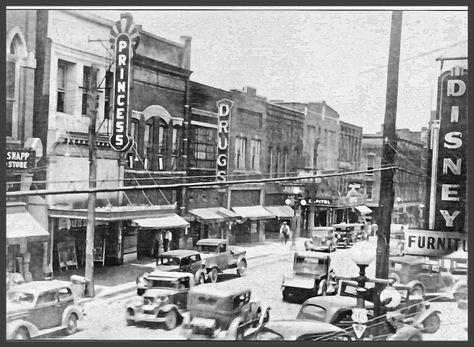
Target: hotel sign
[(124, 38), (450, 209), (224, 112), (20, 159)]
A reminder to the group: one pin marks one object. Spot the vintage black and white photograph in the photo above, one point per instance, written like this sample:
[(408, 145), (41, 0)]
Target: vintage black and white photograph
[(236, 173)]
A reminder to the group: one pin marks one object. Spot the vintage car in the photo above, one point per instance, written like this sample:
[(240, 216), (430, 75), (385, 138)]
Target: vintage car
[(179, 261), (349, 233), (338, 310), (40, 308), (299, 330), (322, 240), (397, 243), (424, 278), (164, 301), (223, 311), (312, 276), (217, 256)]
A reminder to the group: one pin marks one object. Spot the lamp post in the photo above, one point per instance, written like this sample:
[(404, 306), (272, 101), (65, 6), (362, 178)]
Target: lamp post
[(295, 201)]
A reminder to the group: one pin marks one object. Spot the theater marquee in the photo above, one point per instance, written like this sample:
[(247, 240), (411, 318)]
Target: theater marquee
[(124, 38)]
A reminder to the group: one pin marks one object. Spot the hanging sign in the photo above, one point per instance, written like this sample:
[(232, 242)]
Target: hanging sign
[(124, 38), (224, 112), (20, 159), (450, 208)]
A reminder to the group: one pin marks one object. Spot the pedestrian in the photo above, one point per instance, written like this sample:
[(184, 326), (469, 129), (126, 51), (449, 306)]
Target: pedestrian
[(167, 240), (375, 228), (157, 240), (284, 232)]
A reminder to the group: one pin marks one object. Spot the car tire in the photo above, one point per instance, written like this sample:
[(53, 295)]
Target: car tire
[(241, 268), (213, 274), (395, 277), (201, 279), (171, 320), (71, 324), (21, 334), (431, 324), (417, 290)]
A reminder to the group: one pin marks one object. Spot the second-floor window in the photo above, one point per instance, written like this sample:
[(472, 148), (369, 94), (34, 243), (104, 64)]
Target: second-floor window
[(148, 148), (255, 154), (240, 149), (61, 86), (86, 76), (270, 161), (370, 163), (285, 162), (109, 85), (369, 188), (203, 147)]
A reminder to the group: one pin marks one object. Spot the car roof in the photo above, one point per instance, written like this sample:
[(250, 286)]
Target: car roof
[(36, 287), (210, 241), (408, 259), (222, 289), (291, 329), (169, 274), (312, 254), (179, 253), (335, 302)]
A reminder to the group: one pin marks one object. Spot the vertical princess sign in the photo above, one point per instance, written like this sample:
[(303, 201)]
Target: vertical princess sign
[(124, 39)]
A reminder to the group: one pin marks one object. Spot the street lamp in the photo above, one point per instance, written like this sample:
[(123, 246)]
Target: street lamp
[(295, 201), (363, 253)]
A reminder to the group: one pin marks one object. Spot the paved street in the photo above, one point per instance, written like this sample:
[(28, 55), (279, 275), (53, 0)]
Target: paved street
[(105, 318)]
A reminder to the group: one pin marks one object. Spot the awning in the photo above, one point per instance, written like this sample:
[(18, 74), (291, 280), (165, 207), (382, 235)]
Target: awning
[(23, 225), (282, 211), (213, 214), (363, 209), (170, 221), (253, 212)]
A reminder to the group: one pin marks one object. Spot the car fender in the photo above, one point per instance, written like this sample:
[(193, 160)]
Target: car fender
[(170, 307), (459, 284), (69, 310), (16, 324), (242, 257), (413, 283), (198, 273), (424, 315), (321, 284), (233, 329), (406, 333)]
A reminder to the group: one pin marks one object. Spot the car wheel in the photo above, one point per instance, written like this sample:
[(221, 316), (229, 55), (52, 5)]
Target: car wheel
[(417, 290), (213, 275), (239, 336), (71, 325), (461, 293), (201, 279), (242, 268), (395, 277), (21, 334), (171, 320), (431, 324), (127, 318), (415, 338)]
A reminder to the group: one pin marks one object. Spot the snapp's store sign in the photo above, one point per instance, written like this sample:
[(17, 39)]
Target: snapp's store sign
[(224, 112), (450, 208), (434, 243), (124, 38), (20, 159)]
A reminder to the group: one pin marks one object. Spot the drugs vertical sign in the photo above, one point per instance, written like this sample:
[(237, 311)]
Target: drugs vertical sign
[(124, 38), (450, 209), (224, 108)]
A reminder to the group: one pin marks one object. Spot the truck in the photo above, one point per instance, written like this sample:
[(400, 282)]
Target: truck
[(217, 256)]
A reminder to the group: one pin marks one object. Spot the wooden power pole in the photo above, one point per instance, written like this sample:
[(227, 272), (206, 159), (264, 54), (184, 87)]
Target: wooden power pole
[(92, 108), (388, 158)]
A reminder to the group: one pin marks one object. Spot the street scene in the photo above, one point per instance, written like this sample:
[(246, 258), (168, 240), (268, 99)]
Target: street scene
[(236, 174)]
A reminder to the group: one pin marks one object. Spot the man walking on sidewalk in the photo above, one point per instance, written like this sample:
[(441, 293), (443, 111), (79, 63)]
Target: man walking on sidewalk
[(167, 240), (284, 232)]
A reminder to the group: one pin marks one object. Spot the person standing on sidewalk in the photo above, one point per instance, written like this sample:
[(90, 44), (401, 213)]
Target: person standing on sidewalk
[(157, 240), (167, 240), (284, 232)]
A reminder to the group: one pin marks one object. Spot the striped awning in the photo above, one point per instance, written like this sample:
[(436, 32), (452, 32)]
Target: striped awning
[(364, 209)]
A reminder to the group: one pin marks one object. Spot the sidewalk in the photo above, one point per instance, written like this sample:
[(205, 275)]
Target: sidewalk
[(114, 280)]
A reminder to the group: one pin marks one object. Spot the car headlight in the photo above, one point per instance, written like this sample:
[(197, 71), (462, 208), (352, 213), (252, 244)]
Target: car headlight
[(338, 236)]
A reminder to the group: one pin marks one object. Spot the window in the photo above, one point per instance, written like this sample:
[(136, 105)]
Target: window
[(285, 162), (11, 96), (109, 86), (255, 155), (370, 163), (47, 298), (203, 147), (86, 76), (369, 187), (222, 248), (64, 294), (61, 84), (270, 162), (148, 141), (161, 137), (240, 149), (277, 162)]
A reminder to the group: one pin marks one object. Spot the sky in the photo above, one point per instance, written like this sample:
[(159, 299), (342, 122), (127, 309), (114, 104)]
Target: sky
[(308, 56)]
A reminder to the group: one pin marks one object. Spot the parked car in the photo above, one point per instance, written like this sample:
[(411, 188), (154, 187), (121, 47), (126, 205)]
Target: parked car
[(164, 301), (217, 256), (223, 311), (40, 308), (425, 279), (179, 261), (323, 239), (345, 235), (299, 330), (397, 243), (312, 276), (338, 310)]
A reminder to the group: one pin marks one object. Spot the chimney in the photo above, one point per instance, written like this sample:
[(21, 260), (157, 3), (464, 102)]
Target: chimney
[(250, 91), (186, 41)]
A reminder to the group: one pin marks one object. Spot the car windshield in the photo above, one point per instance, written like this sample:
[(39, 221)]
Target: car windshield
[(20, 297), (163, 283), (206, 249), (165, 260), (312, 266)]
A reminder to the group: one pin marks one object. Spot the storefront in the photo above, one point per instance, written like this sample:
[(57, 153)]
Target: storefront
[(283, 213), (251, 228), (26, 243), (122, 233), (211, 222)]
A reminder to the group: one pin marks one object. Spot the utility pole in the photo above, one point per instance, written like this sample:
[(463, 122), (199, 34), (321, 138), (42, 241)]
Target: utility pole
[(92, 108), (388, 158)]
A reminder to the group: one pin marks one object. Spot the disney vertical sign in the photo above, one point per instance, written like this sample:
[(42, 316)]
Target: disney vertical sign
[(124, 39), (450, 207), (224, 107)]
